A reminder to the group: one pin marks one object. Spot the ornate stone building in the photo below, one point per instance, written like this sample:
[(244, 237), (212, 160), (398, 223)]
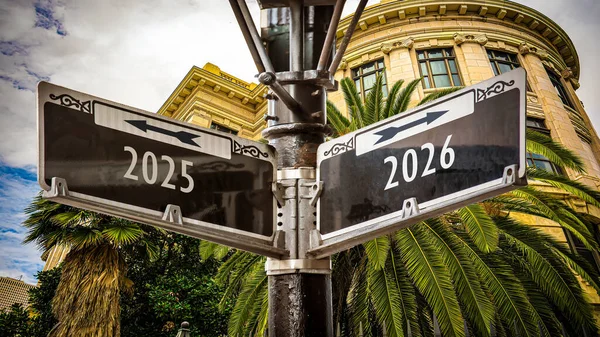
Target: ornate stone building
[(447, 43)]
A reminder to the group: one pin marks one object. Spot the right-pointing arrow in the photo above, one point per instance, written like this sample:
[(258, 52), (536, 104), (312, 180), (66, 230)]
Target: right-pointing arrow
[(391, 132)]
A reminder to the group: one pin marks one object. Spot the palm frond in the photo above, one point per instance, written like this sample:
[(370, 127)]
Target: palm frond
[(207, 249), (122, 232), (358, 300), (377, 251), (391, 100), (571, 263), (430, 276), (404, 97), (571, 222), (385, 296), (353, 101), (374, 102), (577, 189), (234, 261), (543, 311), (438, 94), (562, 290), (480, 227), (509, 203), (478, 308), (334, 117), (245, 304), (82, 237), (239, 276), (407, 295), (507, 292), (541, 144)]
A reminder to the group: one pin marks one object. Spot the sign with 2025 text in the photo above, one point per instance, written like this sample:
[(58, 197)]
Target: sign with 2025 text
[(122, 161)]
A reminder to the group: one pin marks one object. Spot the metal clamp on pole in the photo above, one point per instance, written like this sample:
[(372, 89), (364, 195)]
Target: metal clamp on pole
[(269, 79), (296, 266)]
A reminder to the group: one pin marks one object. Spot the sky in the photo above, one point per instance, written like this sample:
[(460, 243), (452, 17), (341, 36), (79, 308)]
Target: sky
[(136, 52)]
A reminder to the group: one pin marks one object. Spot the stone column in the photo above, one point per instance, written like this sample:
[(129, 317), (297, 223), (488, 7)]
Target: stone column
[(557, 116), (572, 84), (402, 66), (476, 64)]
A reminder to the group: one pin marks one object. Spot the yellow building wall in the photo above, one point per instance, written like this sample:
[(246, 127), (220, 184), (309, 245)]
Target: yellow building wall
[(394, 30)]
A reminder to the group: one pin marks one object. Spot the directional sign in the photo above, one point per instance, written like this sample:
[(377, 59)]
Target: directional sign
[(460, 149), (118, 160)]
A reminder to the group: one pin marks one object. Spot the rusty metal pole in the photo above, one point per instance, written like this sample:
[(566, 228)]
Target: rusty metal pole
[(300, 302), (295, 70)]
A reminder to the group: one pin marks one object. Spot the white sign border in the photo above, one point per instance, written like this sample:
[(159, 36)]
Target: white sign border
[(235, 238), (356, 234)]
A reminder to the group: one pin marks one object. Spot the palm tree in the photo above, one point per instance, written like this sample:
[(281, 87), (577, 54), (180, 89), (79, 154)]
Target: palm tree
[(477, 269), (93, 274)]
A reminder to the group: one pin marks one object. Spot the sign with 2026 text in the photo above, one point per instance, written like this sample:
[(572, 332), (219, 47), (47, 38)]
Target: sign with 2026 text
[(459, 149), (122, 161)]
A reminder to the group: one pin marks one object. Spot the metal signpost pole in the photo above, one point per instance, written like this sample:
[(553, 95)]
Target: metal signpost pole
[(300, 301)]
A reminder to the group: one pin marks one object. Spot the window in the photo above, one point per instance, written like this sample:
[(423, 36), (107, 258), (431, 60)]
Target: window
[(578, 247), (542, 163), (222, 128), (364, 77), (536, 160), (560, 90), (502, 62), (538, 125), (438, 68)]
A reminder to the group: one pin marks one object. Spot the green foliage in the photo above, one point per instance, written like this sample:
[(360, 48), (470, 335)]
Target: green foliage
[(40, 301), (175, 286), (37, 319), (15, 322)]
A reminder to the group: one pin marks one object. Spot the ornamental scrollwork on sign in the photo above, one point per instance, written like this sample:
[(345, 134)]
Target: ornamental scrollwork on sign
[(340, 148), (496, 88), (69, 101), (249, 150)]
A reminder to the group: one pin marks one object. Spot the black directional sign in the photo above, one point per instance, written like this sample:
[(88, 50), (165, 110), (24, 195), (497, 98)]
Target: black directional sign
[(122, 161), (457, 150)]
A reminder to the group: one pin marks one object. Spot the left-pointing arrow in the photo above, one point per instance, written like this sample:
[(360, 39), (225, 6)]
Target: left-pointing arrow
[(184, 137)]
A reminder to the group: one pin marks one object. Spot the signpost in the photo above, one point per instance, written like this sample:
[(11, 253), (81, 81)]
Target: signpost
[(300, 200), (460, 149), (125, 162)]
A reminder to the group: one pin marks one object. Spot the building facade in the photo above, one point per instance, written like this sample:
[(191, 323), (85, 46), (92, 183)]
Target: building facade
[(446, 43), (13, 291)]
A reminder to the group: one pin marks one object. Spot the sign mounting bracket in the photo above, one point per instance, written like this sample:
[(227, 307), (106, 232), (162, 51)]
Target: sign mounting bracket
[(58, 188), (173, 214), (410, 208), (509, 175)]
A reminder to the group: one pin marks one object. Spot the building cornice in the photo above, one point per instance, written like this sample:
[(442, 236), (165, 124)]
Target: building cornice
[(210, 77), (539, 29)]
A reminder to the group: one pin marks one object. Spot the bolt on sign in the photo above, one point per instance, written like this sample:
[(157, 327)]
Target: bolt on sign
[(110, 158), (457, 150)]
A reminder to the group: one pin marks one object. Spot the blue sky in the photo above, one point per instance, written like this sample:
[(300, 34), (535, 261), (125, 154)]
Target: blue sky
[(17, 187), (136, 52)]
